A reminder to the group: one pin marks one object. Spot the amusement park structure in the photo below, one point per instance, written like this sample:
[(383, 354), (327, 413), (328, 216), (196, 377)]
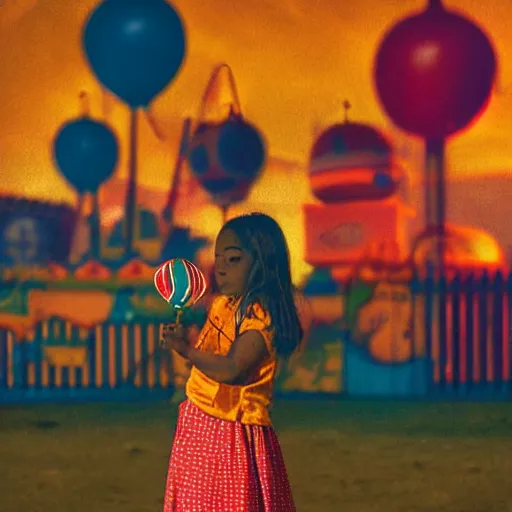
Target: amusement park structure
[(390, 305)]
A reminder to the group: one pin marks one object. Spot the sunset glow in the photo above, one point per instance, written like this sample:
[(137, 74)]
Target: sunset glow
[(294, 64)]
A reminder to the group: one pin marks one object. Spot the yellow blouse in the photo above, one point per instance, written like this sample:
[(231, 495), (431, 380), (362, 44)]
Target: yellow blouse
[(250, 403)]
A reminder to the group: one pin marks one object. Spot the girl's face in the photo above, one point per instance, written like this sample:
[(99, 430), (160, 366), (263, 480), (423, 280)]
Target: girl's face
[(232, 264)]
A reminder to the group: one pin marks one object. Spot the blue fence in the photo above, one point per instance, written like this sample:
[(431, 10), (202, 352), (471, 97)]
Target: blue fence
[(460, 348), (62, 361), (469, 339)]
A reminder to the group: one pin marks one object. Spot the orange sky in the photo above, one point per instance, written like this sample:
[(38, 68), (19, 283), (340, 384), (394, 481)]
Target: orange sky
[(294, 61)]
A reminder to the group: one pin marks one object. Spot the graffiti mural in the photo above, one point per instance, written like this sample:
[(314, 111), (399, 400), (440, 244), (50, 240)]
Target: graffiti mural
[(380, 318)]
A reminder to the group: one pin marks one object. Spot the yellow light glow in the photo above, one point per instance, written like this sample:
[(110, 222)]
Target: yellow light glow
[(484, 247)]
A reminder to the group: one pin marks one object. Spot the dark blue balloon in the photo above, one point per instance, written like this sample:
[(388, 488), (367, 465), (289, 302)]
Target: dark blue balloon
[(134, 47), (240, 148), (86, 153), (220, 186), (198, 159)]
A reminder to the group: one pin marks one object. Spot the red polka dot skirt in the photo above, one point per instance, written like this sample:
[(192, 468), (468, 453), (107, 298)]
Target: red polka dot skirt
[(225, 466)]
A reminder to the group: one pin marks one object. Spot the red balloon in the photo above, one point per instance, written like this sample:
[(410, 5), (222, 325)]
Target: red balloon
[(434, 72)]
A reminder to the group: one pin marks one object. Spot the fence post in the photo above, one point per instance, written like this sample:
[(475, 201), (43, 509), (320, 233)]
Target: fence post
[(4, 368), (497, 332), (92, 349), (144, 381), (454, 289), (469, 290), (19, 363), (429, 299), (422, 378), (130, 338), (509, 334), (483, 291), (38, 356), (443, 353), (415, 288)]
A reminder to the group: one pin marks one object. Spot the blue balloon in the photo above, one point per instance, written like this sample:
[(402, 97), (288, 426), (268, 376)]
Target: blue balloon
[(199, 160), (240, 147), (221, 185), (86, 153), (134, 47)]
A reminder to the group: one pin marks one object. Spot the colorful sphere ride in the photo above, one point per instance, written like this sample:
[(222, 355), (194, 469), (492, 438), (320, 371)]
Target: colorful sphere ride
[(351, 162)]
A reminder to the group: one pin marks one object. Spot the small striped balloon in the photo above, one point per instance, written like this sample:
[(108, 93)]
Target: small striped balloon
[(180, 283)]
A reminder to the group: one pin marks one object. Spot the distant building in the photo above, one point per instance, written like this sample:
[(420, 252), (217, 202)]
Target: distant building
[(34, 232)]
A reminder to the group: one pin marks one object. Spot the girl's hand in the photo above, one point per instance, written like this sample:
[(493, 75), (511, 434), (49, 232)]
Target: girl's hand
[(175, 338)]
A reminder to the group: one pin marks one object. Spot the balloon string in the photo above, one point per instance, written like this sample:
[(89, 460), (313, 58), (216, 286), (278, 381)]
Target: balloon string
[(346, 107), (84, 103), (435, 4), (177, 174), (106, 104), (74, 252), (154, 125), (234, 91)]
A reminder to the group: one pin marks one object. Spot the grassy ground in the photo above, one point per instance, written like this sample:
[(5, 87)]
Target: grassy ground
[(341, 456)]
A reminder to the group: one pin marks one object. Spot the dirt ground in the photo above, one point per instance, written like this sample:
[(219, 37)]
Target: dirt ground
[(343, 456)]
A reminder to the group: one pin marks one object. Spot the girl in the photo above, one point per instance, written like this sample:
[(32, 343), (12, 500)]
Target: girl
[(225, 455)]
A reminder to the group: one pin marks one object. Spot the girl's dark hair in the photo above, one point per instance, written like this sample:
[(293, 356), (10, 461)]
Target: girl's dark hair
[(269, 282)]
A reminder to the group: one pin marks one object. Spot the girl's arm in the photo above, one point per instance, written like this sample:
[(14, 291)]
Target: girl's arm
[(246, 353)]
